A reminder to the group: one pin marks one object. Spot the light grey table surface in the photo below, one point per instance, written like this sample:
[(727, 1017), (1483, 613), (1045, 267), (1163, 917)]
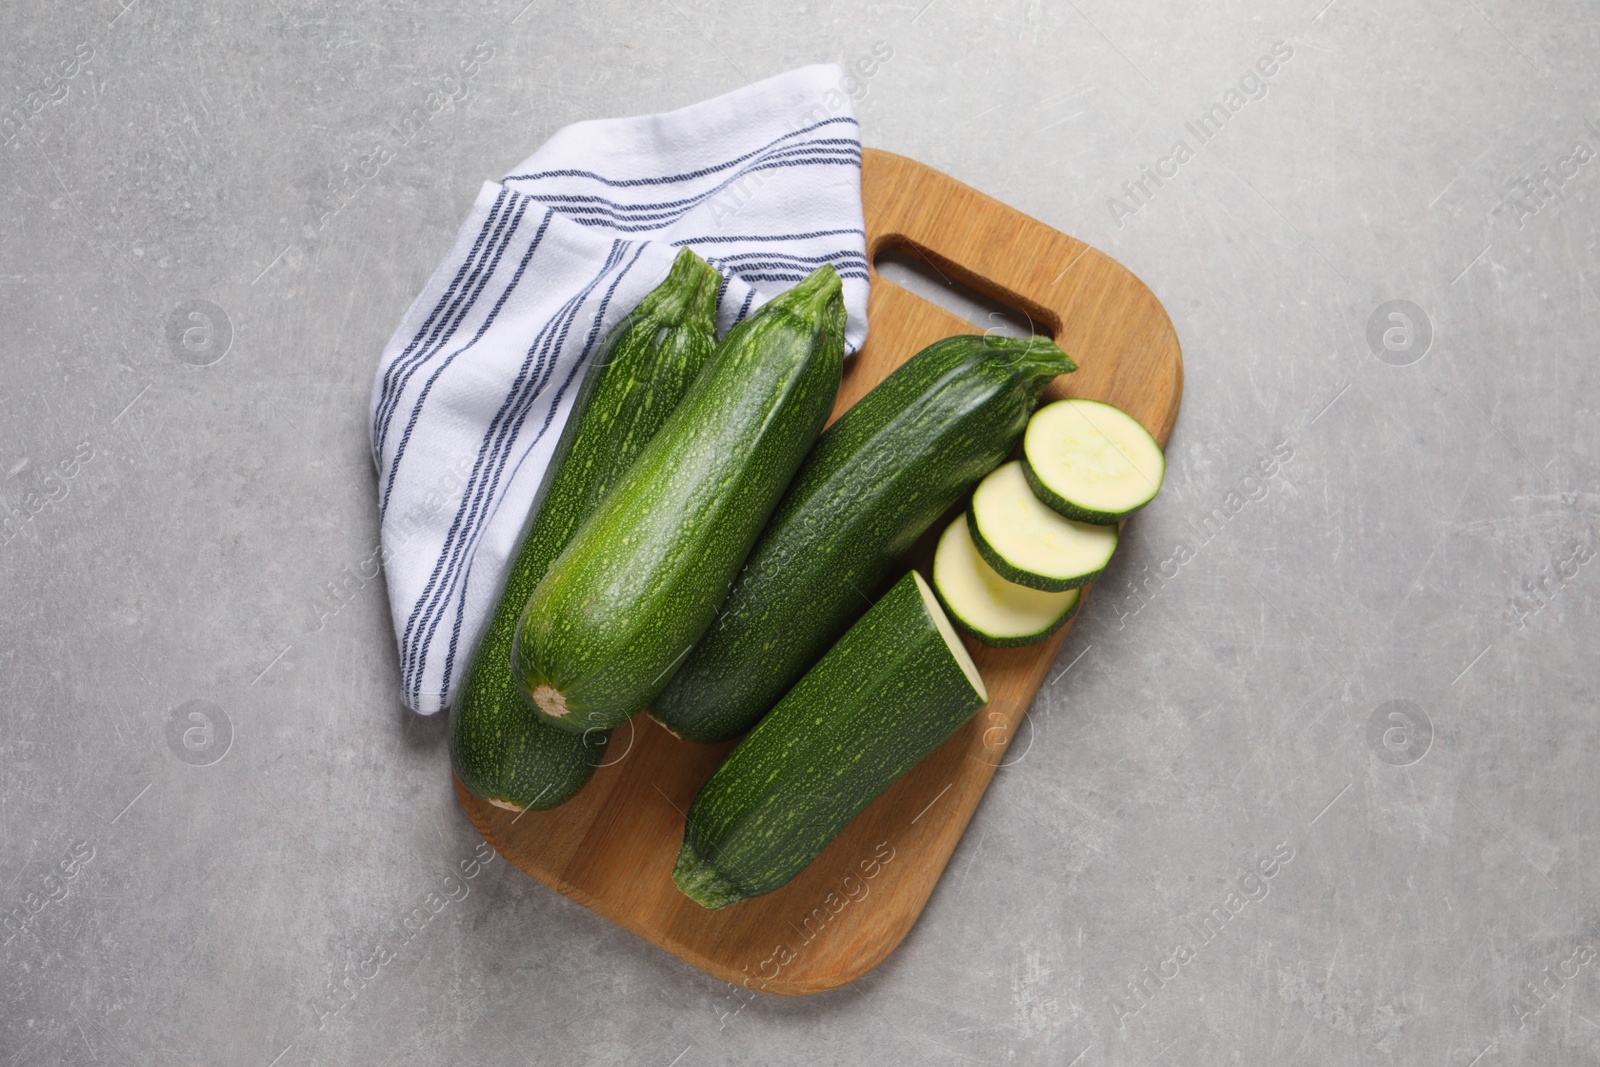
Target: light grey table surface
[(277, 893)]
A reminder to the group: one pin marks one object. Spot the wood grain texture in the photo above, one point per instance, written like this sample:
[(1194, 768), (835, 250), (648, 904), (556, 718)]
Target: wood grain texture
[(611, 848)]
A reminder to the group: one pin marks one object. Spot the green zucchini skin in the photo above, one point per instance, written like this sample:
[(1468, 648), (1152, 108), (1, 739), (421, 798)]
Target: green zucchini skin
[(499, 748), (888, 693), (876, 480), (642, 578)]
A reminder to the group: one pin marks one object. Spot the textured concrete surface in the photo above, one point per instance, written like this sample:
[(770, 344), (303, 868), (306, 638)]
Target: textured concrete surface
[(1352, 643)]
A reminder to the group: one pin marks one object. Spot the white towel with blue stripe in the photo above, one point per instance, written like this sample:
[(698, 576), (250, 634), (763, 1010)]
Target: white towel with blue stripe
[(473, 388)]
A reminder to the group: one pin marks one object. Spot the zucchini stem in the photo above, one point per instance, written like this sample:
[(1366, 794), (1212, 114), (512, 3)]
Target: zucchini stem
[(550, 700), (701, 882)]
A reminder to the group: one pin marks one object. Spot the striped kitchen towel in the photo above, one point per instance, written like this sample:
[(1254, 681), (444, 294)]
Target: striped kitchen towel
[(474, 386)]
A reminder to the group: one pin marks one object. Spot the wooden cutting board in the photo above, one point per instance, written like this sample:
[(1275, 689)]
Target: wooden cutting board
[(611, 848)]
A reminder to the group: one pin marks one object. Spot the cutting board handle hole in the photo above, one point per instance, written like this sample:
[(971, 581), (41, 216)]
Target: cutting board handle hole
[(989, 308)]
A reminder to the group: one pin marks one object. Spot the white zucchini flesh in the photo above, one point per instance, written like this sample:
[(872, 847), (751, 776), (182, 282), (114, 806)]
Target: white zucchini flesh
[(982, 603), (1091, 461), (958, 651), (1028, 542)]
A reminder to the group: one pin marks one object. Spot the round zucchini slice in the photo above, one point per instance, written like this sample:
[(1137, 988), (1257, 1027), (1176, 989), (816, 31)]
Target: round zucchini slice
[(1090, 461), (985, 605), (1030, 544)]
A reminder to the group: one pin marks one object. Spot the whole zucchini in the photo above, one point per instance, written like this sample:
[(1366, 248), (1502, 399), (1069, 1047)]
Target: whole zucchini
[(641, 579), (880, 476), (894, 687), (500, 749)]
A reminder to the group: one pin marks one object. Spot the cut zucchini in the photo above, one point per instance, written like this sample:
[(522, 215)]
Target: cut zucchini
[(1030, 544), (1090, 461), (985, 605), (888, 693)]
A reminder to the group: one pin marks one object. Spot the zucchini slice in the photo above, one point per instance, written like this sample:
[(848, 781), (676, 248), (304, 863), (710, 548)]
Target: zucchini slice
[(1090, 461), (985, 605), (1030, 544)]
